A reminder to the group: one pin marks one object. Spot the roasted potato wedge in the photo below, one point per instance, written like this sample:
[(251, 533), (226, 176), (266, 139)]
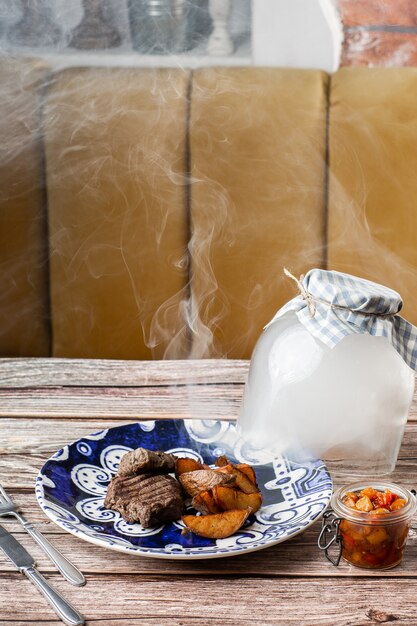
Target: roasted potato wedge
[(242, 481), (186, 464), (204, 480), (205, 503), (227, 499), (216, 526), (248, 471), (221, 460)]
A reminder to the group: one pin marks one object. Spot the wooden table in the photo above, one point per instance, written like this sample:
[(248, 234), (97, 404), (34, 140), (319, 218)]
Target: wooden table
[(47, 403)]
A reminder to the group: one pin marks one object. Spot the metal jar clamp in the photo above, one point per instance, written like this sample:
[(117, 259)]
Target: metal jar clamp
[(329, 535)]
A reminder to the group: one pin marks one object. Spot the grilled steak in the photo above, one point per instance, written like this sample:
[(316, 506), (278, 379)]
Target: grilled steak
[(150, 500), (142, 461), (204, 480)]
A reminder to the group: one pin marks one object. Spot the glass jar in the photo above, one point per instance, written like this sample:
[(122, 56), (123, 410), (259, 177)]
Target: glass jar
[(371, 540), (347, 405), (168, 26)]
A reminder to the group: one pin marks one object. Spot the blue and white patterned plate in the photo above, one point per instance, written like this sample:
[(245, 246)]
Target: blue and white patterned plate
[(72, 485)]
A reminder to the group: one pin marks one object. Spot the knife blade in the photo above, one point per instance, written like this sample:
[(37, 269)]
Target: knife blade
[(14, 550), (25, 563)]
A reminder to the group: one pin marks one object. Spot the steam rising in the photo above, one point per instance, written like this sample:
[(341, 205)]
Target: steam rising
[(372, 183), (172, 200)]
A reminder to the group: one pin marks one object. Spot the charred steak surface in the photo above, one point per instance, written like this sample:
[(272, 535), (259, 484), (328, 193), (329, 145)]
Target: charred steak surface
[(148, 499)]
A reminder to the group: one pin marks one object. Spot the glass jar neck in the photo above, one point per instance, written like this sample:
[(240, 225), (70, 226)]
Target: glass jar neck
[(359, 517)]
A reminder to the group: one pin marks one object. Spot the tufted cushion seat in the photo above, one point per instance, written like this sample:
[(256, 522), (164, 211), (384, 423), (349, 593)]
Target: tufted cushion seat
[(148, 213)]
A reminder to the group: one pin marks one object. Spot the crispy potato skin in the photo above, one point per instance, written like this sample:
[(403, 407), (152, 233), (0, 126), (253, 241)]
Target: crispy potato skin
[(205, 503), (242, 481), (225, 496), (221, 461), (217, 526), (228, 499), (186, 464), (248, 471)]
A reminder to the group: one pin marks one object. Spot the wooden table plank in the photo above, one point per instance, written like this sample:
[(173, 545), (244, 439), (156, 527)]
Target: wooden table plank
[(296, 557), (282, 601), (170, 392), (141, 621), (130, 403), (37, 372), (29, 436), (135, 621), (27, 444), (46, 403), (203, 401), (24, 477), (37, 444)]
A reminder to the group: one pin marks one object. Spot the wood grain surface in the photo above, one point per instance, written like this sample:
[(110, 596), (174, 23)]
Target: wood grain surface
[(45, 403), (108, 373), (240, 600)]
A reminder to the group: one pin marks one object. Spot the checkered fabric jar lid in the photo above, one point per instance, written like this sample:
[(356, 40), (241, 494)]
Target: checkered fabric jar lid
[(332, 305)]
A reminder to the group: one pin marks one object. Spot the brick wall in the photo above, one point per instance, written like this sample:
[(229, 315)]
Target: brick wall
[(379, 32)]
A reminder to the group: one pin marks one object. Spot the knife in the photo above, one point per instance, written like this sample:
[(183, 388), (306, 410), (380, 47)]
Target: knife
[(26, 565)]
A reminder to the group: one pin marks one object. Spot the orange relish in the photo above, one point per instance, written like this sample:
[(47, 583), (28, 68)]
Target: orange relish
[(371, 500)]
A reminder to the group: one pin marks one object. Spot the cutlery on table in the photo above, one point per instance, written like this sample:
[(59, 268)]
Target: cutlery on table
[(67, 569), (26, 565)]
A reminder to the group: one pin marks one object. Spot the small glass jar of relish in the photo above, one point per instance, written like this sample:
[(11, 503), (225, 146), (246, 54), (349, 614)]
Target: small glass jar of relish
[(374, 523)]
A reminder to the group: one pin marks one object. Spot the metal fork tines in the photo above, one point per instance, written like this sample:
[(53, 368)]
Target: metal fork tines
[(67, 569)]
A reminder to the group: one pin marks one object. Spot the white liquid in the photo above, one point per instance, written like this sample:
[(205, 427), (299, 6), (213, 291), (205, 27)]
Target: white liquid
[(347, 403)]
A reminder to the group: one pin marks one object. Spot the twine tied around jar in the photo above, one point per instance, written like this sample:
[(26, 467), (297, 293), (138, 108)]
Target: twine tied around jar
[(306, 295)]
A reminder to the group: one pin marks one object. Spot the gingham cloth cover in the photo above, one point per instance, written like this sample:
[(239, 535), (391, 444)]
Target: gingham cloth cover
[(370, 308)]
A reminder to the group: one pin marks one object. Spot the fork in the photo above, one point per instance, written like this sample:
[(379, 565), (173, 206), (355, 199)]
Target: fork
[(67, 569)]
